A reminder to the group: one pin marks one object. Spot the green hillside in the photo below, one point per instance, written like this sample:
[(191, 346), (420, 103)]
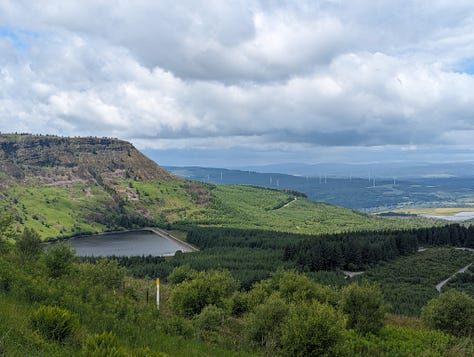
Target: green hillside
[(66, 186), (241, 295), (253, 207)]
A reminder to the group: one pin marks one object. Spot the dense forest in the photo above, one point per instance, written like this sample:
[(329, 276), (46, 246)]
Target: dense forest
[(358, 250)]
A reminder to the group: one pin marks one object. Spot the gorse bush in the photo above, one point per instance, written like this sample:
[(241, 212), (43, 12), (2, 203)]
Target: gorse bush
[(365, 307), (103, 345), (189, 297), (59, 259), (263, 325), (312, 329), (451, 312), (28, 244), (53, 322)]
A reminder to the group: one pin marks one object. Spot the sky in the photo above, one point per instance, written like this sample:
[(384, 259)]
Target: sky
[(235, 83)]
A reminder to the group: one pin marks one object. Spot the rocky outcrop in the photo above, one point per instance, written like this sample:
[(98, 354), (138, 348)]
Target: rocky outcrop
[(59, 159)]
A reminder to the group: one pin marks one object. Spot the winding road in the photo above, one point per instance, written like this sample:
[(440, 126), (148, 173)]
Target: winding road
[(443, 283), (462, 270), (287, 204)]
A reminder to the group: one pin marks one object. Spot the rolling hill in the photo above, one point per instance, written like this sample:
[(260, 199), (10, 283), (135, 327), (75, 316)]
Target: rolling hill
[(66, 186)]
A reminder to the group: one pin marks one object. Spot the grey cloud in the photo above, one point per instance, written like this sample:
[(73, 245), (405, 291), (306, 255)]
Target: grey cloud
[(213, 74)]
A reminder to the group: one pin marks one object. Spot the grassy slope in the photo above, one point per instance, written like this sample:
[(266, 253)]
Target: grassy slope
[(54, 211), (252, 207), (61, 211)]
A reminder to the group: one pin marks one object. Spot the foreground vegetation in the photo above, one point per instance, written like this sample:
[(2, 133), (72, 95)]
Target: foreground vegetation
[(51, 304)]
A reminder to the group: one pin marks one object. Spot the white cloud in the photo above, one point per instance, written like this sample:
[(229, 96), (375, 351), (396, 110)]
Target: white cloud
[(222, 74)]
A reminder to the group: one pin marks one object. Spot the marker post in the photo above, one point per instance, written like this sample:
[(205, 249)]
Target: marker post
[(158, 293)]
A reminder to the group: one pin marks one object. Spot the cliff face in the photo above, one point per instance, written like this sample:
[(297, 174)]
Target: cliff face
[(52, 158)]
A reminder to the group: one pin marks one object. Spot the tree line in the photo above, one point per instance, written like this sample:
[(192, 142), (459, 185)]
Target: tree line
[(358, 250), (350, 250)]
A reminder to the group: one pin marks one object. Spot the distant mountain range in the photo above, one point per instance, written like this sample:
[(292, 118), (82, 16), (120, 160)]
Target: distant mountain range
[(378, 170)]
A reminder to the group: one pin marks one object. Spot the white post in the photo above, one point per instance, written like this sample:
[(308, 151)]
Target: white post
[(157, 293)]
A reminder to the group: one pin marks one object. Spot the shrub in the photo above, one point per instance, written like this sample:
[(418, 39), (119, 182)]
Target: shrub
[(180, 274), (263, 326), (206, 288), (296, 287), (103, 345), (238, 304), (176, 326), (59, 259), (209, 323), (365, 307), (312, 329), (28, 244), (53, 322), (104, 272), (452, 312)]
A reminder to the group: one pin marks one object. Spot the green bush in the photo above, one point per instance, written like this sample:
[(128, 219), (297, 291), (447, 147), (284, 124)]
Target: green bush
[(263, 325), (365, 307), (28, 244), (312, 329), (104, 272), (209, 323), (103, 345), (296, 287), (452, 312), (238, 304), (59, 259), (176, 326), (53, 322), (189, 297), (181, 273)]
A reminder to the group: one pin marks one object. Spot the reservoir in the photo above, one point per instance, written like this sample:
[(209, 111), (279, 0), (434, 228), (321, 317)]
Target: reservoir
[(458, 217), (132, 243)]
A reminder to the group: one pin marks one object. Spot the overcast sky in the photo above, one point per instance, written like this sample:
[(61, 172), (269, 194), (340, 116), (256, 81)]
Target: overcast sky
[(228, 83)]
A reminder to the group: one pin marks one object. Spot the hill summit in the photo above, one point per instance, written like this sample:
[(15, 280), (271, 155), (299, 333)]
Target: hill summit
[(54, 159)]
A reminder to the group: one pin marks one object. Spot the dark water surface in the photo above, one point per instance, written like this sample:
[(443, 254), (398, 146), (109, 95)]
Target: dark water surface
[(124, 244)]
